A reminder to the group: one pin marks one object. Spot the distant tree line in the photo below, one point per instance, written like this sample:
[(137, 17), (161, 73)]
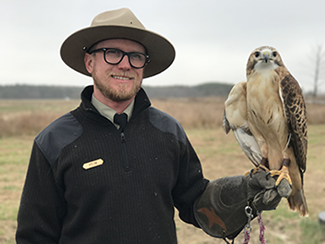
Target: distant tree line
[(67, 92), (39, 92)]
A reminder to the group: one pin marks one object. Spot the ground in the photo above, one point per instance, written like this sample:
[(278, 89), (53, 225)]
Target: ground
[(219, 153)]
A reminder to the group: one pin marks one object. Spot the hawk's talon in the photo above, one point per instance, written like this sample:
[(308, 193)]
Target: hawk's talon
[(251, 173), (282, 174)]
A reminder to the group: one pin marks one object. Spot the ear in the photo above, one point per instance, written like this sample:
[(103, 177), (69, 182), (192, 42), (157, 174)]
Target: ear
[(89, 62)]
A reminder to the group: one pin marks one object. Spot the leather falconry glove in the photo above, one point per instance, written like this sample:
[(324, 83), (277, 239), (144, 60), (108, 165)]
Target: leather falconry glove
[(220, 210)]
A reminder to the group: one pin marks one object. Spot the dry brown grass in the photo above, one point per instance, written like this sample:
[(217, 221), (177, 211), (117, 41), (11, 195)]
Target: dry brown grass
[(194, 112), (25, 123), (28, 117), (208, 112), (316, 113)]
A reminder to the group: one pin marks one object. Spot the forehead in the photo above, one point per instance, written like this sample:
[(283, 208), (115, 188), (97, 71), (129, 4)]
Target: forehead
[(123, 44), (265, 49)]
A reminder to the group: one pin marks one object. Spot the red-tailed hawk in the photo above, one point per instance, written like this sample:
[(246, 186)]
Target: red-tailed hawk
[(268, 117)]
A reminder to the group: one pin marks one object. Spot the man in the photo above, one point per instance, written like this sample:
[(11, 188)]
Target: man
[(112, 170)]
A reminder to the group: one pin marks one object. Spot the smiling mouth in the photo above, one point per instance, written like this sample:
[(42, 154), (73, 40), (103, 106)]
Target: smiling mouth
[(121, 77)]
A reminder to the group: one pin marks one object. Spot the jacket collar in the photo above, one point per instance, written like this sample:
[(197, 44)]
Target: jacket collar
[(141, 102)]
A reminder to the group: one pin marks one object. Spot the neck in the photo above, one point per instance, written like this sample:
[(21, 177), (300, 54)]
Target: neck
[(119, 107)]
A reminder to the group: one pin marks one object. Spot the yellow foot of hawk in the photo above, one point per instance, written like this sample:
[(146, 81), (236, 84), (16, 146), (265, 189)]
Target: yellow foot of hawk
[(263, 165), (283, 173)]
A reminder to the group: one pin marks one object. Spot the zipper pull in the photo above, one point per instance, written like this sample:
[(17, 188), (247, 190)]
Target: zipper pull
[(122, 137)]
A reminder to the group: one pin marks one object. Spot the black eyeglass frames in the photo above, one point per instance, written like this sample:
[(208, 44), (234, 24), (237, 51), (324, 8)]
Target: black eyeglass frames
[(114, 56)]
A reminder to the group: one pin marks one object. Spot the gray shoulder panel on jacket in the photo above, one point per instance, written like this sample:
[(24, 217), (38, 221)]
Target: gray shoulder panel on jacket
[(58, 135), (166, 123)]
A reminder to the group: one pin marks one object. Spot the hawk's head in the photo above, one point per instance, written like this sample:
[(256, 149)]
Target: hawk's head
[(262, 59)]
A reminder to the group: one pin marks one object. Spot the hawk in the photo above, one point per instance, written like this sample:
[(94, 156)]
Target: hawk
[(268, 117)]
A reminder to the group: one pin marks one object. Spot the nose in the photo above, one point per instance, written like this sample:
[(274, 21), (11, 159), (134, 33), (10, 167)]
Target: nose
[(124, 64)]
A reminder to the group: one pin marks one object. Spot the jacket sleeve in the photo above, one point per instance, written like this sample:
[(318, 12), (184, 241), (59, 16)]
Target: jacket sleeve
[(42, 208), (190, 184)]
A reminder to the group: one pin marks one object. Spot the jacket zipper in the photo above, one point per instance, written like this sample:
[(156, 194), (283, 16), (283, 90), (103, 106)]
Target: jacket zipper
[(126, 163)]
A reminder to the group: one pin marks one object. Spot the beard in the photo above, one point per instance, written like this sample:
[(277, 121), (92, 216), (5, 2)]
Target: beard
[(121, 94)]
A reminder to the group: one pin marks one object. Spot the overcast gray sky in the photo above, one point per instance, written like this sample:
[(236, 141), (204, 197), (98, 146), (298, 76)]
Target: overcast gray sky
[(212, 38)]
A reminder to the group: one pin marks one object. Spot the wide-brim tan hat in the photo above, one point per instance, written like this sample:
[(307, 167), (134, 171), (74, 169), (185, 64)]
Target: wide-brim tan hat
[(120, 24)]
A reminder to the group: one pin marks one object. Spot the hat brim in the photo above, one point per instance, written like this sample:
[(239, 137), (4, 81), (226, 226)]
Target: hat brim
[(160, 50)]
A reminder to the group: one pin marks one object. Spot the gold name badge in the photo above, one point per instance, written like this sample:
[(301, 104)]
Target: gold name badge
[(93, 164)]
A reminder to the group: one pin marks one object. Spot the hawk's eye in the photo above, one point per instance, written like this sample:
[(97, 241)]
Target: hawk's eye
[(274, 54), (257, 54)]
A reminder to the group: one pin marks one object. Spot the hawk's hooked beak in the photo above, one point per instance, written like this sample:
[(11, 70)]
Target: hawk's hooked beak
[(266, 57)]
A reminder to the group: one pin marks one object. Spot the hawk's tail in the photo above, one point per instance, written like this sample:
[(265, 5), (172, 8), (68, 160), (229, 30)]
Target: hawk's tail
[(298, 203)]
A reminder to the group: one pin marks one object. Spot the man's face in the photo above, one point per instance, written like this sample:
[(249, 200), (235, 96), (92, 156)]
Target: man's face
[(119, 82)]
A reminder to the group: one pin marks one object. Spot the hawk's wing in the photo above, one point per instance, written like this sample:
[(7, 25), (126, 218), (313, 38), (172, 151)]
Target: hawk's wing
[(235, 118), (296, 114)]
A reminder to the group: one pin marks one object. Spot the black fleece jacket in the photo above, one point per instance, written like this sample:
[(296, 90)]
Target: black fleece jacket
[(89, 183)]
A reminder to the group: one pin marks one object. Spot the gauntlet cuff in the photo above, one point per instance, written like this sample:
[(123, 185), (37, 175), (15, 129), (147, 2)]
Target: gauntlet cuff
[(220, 210)]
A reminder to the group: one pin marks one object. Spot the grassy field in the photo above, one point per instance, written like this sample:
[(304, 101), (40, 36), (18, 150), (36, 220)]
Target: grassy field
[(20, 121)]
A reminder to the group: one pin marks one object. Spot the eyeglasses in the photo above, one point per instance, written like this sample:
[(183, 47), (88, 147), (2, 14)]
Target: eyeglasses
[(114, 56)]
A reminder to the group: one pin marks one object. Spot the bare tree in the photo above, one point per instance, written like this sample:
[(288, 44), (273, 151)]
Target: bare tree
[(319, 59)]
